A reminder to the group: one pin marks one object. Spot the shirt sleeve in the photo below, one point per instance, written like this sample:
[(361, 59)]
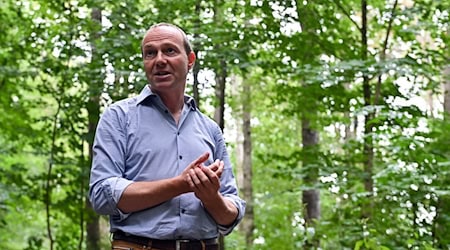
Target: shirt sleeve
[(228, 187), (106, 181)]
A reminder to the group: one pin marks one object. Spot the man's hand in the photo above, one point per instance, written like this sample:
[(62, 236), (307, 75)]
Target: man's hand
[(217, 167), (204, 181), (195, 164)]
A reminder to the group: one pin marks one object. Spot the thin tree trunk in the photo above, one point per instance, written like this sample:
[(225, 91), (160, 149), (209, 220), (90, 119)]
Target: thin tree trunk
[(368, 127), (350, 129), (441, 229), (221, 74), (311, 195), (48, 183), (93, 108), (196, 43), (310, 137), (82, 187), (446, 74), (383, 53), (248, 223)]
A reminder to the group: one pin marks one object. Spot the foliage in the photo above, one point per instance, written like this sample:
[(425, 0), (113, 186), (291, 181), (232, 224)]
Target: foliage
[(303, 59)]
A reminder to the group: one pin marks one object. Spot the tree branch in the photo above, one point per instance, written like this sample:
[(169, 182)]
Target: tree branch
[(346, 13), (383, 52)]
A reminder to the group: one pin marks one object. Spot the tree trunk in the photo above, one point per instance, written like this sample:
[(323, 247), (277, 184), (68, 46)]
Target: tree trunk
[(196, 43), (311, 195), (446, 74), (368, 127), (310, 137), (350, 129), (219, 115), (221, 73), (221, 76), (248, 223), (441, 230), (93, 108)]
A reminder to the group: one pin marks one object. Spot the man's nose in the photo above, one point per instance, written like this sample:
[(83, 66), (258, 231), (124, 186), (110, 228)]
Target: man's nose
[(160, 58)]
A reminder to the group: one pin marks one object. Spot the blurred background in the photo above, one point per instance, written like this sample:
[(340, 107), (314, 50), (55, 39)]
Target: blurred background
[(335, 112)]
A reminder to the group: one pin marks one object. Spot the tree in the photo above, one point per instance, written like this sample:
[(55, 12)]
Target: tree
[(440, 229), (93, 109), (340, 150)]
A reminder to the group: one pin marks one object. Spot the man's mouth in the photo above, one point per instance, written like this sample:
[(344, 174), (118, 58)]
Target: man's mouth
[(162, 73)]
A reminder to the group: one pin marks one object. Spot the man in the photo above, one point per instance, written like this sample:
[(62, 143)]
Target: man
[(160, 169)]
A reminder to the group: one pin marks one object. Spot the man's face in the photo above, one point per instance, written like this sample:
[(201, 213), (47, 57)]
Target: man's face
[(166, 63)]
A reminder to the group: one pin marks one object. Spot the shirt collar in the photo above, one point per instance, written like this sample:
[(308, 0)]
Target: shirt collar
[(146, 93)]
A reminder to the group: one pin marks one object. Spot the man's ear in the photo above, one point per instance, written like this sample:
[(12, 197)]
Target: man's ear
[(191, 60)]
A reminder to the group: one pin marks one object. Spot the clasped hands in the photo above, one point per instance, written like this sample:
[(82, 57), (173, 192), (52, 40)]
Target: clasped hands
[(203, 180)]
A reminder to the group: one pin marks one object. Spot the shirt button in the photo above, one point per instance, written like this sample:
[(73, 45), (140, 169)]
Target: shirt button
[(181, 157), (183, 211)]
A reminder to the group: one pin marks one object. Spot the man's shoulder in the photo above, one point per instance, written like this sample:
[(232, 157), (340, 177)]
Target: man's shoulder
[(122, 107), (208, 121), (126, 102), (133, 100)]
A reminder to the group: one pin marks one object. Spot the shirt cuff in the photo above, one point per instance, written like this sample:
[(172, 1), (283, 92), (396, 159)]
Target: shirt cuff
[(225, 230), (118, 185)]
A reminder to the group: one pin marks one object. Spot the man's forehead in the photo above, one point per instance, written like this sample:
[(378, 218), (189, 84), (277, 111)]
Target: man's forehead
[(162, 33)]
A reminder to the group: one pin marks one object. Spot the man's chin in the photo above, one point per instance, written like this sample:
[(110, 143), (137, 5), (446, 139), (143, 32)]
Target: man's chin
[(162, 87), (161, 84)]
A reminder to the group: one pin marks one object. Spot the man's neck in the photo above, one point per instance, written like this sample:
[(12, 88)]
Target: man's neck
[(174, 103), (172, 99)]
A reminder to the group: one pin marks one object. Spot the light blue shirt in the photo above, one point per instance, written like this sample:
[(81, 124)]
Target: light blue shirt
[(137, 139)]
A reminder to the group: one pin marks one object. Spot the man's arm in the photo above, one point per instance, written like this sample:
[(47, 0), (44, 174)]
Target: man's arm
[(145, 194), (221, 209)]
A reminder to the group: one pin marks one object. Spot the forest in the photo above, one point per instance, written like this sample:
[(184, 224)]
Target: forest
[(335, 113)]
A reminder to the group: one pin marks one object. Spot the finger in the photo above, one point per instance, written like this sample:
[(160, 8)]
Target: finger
[(202, 158), (219, 169), (211, 176), (196, 179), (189, 181), (215, 166)]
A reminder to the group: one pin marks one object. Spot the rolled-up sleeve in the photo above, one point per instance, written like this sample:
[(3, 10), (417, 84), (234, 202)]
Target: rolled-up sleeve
[(240, 205), (105, 196), (106, 181)]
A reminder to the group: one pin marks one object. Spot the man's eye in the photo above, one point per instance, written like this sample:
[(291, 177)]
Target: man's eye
[(170, 51), (150, 53)]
